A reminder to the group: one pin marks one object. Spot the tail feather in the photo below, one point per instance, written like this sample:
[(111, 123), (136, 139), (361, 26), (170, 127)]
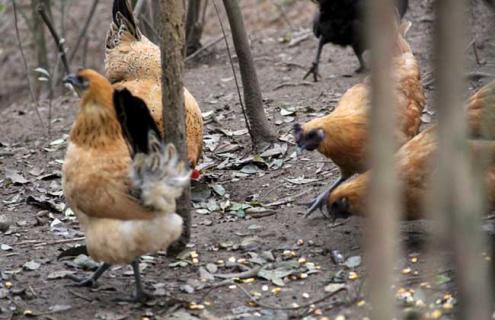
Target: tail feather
[(156, 174), (124, 24)]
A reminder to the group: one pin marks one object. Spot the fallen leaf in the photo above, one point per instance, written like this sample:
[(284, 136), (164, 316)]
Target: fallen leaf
[(59, 274), (353, 262), (31, 265), (332, 287), (15, 177)]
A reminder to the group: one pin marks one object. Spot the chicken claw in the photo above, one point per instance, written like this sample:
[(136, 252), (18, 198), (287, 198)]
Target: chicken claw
[(91, 281), (314, 71)]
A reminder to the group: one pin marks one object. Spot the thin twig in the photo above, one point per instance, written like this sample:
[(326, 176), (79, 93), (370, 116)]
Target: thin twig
[(58, 40), (26, 67), (241, 275), (283, 15), (248, 125), (38, 243), (286, 199), (84, 29), (80, 296), (307, 305), (205, 47), (293, 84)]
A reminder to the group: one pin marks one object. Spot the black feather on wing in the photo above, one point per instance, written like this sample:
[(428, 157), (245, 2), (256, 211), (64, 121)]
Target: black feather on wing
[(135, 119)]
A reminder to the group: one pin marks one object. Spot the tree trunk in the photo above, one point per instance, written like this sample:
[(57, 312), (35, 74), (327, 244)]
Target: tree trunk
[(258, 125), (456, 196), (383, 204), (172, 55), (194, 27)]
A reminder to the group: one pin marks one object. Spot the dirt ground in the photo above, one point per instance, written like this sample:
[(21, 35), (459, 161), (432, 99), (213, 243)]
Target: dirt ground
[(248, 210)]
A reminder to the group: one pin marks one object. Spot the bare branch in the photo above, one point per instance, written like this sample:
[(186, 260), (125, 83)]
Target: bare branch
[(26, 67), (58, 40), (84, 30), (383, 202)]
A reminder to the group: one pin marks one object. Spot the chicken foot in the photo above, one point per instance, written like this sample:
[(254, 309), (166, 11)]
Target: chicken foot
[(139, 295), (362, 64), (321, 200), (91, 281), (314, 68)]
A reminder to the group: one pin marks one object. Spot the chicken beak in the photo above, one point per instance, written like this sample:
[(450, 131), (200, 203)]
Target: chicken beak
[(76, 82)]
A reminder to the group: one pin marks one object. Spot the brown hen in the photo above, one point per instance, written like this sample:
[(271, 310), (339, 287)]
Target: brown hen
[(132, 61), (414, 163), (119, 179), (343, 134)]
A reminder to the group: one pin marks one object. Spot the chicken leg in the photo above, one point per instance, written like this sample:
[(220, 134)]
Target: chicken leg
[(139, 295), (314, 68), (321, 200)]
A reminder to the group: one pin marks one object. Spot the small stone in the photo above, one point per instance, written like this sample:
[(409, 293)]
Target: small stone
[(5, 223), (8, 285), (212, 268)]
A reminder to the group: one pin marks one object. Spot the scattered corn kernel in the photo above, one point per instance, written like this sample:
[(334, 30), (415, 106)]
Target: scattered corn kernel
[(302, 260), (207, 303), (303, 275), (300, 242), (232, 286), (195, 261), (415, 272), (294, 305), (248, 280), (195, 306), (241, 260), (8, 285), (420, 303), (447, 306), (289, 254), (252, 304), (425, 285), (145, 318), (264, 288), (361, 303), (255, 294), (310, 265), (28, 312), (353, 275), (194, 254), (305, 295), (232, 259), (406, 270), (340, 317), (436, 314), (220, 262), (276, 290), (318, 312)]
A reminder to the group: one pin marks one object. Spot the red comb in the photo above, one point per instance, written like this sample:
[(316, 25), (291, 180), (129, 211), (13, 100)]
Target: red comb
[(195, 174)]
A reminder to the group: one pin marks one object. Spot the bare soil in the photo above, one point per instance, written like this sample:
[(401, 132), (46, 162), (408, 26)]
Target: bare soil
[(277, 187)]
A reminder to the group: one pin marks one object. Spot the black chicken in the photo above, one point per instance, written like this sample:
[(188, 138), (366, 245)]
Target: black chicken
[(341, 22)]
